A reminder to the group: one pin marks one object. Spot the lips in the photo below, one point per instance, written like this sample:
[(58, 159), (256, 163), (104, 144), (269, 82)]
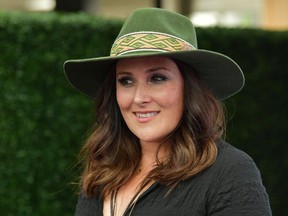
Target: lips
[(143, 115)]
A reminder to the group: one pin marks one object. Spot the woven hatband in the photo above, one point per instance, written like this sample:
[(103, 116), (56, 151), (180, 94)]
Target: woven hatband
[(149, 41)]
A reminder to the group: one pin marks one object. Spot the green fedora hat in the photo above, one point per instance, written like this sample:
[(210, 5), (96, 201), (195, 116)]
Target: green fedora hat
[(158, 32)]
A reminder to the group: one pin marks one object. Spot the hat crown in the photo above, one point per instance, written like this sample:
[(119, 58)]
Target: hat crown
[(162, 26), (160, 20)]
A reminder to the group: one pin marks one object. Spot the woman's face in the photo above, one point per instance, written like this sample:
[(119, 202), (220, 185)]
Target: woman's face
[(150, 96)]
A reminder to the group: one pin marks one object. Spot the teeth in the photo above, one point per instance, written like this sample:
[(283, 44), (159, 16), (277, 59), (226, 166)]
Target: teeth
[(146, 115)]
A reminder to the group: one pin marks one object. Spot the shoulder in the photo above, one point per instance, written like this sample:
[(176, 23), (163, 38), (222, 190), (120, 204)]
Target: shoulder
[(87, 206), (231, 156), (231, 160), (231, 167), (234, 167), (236, 185)]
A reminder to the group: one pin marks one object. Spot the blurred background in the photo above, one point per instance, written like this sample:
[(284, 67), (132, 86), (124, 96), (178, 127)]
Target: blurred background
[(44, 122), (267, 14)]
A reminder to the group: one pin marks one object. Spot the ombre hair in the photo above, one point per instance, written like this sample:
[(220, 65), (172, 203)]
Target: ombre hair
[(112, 152)]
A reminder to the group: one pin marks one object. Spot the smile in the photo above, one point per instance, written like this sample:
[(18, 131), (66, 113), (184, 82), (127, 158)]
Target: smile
[(146, 115)]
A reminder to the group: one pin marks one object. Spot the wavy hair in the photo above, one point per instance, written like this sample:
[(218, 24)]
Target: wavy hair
[(112, 152)]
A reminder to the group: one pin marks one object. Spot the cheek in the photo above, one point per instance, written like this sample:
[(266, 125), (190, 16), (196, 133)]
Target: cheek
[(173, 98), (123, 99)]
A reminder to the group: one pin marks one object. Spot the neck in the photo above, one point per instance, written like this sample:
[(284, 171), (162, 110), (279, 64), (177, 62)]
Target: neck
[(149, 155)]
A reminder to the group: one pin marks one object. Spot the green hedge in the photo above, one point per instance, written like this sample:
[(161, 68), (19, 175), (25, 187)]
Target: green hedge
[(44, 121)]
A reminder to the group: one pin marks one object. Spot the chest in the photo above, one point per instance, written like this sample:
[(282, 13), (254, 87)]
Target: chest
[(185, 200)]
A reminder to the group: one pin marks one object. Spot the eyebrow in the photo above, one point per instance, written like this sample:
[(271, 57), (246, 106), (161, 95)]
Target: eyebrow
[(123, 73), (156, 69), (151, 70)]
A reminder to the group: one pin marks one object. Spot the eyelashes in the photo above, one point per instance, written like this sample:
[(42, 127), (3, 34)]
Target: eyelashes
[(157, 78), (125, 81), (153, 79)]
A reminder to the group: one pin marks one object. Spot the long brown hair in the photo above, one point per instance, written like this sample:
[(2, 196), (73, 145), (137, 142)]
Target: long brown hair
[(112, 152)]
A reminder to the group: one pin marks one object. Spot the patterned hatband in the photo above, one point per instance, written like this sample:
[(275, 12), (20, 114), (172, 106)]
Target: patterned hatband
[(149, 41)]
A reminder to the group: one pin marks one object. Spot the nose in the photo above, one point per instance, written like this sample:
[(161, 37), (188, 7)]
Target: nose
[(142, 94)]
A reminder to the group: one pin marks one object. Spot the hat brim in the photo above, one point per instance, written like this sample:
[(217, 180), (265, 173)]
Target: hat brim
[(220, 73)]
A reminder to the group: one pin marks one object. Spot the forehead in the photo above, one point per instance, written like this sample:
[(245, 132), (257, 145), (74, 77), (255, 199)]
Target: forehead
[(145, 62)]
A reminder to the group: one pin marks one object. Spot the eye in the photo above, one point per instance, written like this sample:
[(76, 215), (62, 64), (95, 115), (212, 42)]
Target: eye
[(157, 78), (125, 81)]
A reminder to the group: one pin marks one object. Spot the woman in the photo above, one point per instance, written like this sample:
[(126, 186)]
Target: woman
[(157, 148)]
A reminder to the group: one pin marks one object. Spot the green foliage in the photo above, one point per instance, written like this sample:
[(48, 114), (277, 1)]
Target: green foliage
[(258, 114), (44, 121)]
